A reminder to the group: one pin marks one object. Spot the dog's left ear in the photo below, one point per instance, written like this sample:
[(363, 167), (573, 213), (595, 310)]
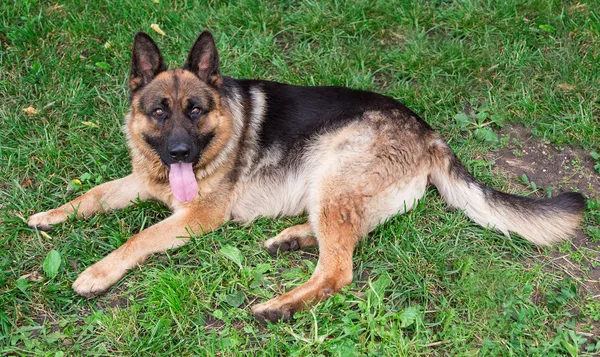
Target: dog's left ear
[(203, 60)]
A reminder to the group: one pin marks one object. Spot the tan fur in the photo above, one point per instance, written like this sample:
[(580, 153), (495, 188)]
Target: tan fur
[(108, 196), (145, 161), (168, 234)]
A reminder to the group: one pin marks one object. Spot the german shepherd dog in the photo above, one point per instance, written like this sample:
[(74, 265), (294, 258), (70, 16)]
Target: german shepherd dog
[(215, 149)]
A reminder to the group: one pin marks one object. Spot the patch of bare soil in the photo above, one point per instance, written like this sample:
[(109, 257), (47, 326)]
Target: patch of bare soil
[(565, 169), (547, 165)]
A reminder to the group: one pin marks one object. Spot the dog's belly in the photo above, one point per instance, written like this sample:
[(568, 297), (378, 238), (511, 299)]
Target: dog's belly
[(269, 196)]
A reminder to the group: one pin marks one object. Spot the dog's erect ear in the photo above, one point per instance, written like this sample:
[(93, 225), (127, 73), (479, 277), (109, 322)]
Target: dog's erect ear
[(203, 60), (146, 61)]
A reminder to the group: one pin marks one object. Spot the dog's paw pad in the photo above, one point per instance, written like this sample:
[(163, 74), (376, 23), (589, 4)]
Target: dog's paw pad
[(294, 245)]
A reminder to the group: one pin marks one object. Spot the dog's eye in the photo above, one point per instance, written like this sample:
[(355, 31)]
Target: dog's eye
[(159, 113), (196, 112)]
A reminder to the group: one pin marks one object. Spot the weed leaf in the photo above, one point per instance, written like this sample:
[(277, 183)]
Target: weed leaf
[(52, 263), (233, 254), (498, 120), (408, 316), (103, 65), (462, 120), (486, 134), (236, 299), (547, 28)]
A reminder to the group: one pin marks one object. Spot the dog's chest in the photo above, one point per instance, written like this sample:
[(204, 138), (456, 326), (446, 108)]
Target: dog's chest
[(269, 194)]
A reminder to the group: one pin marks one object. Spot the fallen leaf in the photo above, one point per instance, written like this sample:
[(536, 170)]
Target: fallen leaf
[(34, 276), (90, 124), (157, 29), (566, 87), (26, 182), (578, 7), (31, 111)]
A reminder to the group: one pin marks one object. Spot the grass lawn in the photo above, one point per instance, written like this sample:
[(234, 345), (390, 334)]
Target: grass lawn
[(426, 283)]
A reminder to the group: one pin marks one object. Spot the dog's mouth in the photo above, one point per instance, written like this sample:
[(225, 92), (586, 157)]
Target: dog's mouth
[(182, 178), (182, 181)]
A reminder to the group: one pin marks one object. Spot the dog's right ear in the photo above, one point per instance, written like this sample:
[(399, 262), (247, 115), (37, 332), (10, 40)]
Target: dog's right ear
[(146, 61)]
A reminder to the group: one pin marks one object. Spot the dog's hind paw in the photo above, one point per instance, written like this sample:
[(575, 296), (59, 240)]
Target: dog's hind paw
[(263, 313), (275, 247), (290, 239)]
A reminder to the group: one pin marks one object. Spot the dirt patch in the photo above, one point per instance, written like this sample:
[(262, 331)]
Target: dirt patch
[(213, 323), (564, 168), (115, 298)]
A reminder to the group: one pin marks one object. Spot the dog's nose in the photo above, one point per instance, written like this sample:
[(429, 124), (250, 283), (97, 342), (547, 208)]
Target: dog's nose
[(180, 151)]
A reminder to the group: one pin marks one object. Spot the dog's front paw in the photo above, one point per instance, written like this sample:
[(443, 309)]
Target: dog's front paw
[(96, 279), (271, 312), (44, 220)]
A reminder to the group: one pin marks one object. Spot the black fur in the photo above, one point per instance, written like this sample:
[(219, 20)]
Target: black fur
[(294, 114)]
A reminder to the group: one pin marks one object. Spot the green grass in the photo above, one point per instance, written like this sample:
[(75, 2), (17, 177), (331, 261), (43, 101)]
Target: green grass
[(426, 283)]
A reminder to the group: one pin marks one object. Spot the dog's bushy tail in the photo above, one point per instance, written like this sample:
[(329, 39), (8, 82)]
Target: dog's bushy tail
[(541, 221)]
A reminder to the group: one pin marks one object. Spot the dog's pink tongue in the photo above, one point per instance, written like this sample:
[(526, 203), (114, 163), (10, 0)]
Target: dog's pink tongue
[(183, 182)]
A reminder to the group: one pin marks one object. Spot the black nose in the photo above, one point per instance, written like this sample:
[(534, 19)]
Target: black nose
[(180, 151)]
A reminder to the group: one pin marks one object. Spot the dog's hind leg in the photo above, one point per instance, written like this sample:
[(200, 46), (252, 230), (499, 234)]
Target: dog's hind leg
[(292, 238), (344, 216), (333, 271), (110, 195), (362, 178)]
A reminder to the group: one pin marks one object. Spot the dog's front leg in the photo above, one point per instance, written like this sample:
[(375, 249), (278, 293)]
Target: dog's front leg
[(170, 233), (110, 195)]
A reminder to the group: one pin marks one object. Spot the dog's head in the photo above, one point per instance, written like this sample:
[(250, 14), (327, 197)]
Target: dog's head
[(177, 117)]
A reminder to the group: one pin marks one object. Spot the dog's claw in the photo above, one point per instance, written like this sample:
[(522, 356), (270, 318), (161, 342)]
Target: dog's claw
[(42, 227)]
